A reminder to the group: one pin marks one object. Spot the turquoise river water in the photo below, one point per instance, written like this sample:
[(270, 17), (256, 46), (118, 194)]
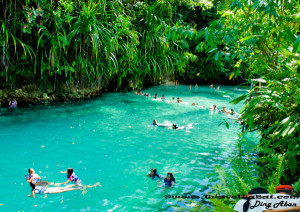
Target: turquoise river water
[(111, 140)]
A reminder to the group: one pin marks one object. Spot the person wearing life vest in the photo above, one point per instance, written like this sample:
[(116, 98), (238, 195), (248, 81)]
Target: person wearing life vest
[(72, 177)]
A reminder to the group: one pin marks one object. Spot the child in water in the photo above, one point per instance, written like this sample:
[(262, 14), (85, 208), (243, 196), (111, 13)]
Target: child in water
[(32, 177), (153, 174), (169, 181), (72, 177)]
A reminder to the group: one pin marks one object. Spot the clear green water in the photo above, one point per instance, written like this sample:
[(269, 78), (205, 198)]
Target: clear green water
[(111, 140)]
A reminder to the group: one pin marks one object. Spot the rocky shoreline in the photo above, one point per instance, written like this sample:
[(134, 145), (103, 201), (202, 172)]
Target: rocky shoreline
[(31, 94)]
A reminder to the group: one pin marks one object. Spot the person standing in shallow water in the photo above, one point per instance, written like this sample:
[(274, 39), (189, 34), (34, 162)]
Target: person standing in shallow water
[(13, 103)]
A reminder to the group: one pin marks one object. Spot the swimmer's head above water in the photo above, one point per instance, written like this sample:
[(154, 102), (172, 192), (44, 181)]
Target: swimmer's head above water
[(31, 171), (174, 126), (153, 172), (170, 176), (70, 171), (154, 122)]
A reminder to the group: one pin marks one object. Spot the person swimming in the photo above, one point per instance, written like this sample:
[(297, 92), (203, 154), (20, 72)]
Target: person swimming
[(39, 189), (196, 86), (179, 100), (211, 86), (169, 181), (72, 177), (174, 126), (153, 174), (224, 110), (155, 96), (165, 124), (214, 108), (163, 97)]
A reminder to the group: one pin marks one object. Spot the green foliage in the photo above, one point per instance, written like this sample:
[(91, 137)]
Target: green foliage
[(220, 206), (86, 41), (296, 187), (259, 39)]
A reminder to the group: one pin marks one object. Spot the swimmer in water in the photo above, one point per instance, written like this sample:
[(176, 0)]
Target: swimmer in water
[(154, 122), (163, 97), (211, 86), (72, 177), (39, 189), (166, 124), (196, 86), (232, 111), (218, 88), (190, 87), (155, 96), (140, 93), (179, 100), (214, 108), (224, 110), (173, 99), (153, 174), (174, 126), (32, 177), (169, 181), (194, 104)]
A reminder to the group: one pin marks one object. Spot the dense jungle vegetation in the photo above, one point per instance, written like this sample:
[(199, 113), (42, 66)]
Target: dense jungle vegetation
[(84, 42)]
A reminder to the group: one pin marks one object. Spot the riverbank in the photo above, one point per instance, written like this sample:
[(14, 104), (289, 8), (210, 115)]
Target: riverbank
[(34, 94), (31, 94)]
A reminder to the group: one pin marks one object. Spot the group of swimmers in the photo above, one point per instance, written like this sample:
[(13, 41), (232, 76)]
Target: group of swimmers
[(169, 180), (44, 187)]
